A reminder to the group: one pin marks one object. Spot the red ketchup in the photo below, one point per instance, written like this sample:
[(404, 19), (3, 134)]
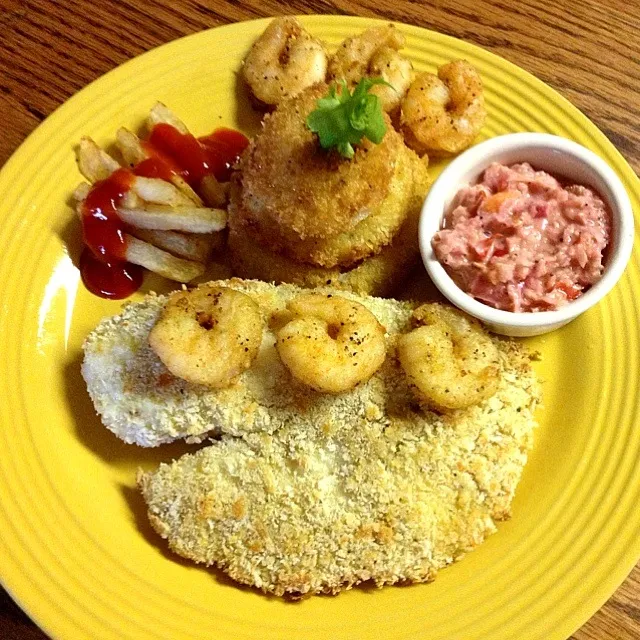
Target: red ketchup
[(155, 167), (114, 280), (103, 265), (223, 148), (195, 158)]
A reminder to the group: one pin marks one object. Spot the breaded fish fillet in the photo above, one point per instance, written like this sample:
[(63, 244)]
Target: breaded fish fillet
[(321, 491), (143, 403), (389, 494)]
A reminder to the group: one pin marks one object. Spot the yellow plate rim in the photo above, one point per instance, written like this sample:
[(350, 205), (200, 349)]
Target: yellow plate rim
[(628, 557)]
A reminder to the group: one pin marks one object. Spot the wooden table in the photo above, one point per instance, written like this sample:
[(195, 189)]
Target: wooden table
[(589, 51)]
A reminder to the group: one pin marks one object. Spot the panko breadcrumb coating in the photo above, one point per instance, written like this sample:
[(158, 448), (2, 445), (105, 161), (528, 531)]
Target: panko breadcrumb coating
[(379, 275), (143, 403), (368, 237), (389, 495), (297, 189), (316, 492)]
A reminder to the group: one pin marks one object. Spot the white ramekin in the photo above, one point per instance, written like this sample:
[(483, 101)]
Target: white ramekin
[(557, 156)]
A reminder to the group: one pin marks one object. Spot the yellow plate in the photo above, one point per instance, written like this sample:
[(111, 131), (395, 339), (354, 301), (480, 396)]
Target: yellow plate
[(76, 550)]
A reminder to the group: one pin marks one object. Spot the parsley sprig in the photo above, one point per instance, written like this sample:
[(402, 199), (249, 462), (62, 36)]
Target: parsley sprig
[(343, 119)]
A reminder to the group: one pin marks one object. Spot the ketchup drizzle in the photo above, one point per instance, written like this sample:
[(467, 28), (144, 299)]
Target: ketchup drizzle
[(155, 167), (102, 230), (114, 280), (223, 148), (194, 158), (103, 265)]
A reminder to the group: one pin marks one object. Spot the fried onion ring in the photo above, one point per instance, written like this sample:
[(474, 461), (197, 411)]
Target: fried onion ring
[(292, 184), (346, 249)]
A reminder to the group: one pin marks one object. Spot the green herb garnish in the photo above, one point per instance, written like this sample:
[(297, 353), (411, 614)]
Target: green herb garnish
[(342, 120)]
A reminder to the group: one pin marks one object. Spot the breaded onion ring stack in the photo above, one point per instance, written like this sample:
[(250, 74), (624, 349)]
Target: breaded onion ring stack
[(307, 216)]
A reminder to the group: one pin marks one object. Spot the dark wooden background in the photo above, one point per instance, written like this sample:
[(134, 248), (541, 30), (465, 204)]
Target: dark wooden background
[(587, 50)]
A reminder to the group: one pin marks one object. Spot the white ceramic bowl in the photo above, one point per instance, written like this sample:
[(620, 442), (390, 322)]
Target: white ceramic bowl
[(557, 156)]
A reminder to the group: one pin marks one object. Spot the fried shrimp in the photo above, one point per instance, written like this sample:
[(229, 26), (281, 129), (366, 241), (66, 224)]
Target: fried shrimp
[(442, 114), (375, 53), (209, 335), (331, 343), (395, 69), (284, 61), (449, 358)]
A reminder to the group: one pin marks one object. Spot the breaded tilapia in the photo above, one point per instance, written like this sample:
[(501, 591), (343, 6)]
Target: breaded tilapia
[(391, 495), (143, 403), (308, 492)]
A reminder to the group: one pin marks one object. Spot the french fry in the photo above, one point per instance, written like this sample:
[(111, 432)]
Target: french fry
[(184, 187), (214, 193), (94, 163), (160, 262), (155, 259), (161, 114), (81, 192), (129, 200), (158, 217), (168, 228), (133, 152), (189, 219), (130, 147), (159, 191), (192, 246)]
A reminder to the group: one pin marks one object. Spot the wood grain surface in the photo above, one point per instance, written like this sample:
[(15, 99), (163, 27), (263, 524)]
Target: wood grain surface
[(589, 51)]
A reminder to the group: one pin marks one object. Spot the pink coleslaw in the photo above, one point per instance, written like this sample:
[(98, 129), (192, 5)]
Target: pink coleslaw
[(520, 240)]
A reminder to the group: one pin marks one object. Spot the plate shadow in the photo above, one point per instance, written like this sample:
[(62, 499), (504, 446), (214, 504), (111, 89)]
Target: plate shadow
[(139, 510)]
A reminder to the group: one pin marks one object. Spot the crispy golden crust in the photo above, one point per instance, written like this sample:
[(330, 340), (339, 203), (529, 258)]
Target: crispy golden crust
[(379, 275), (293, 186), (309, 492), (346, 249), (250, 260), (387, 494), (140, 400)]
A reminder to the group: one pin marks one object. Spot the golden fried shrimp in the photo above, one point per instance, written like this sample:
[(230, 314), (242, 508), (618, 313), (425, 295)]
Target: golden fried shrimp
[(284, 61), (331, 343), (209, 335), (442, 114), (397, 70), (375, 53), (449, 358)]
